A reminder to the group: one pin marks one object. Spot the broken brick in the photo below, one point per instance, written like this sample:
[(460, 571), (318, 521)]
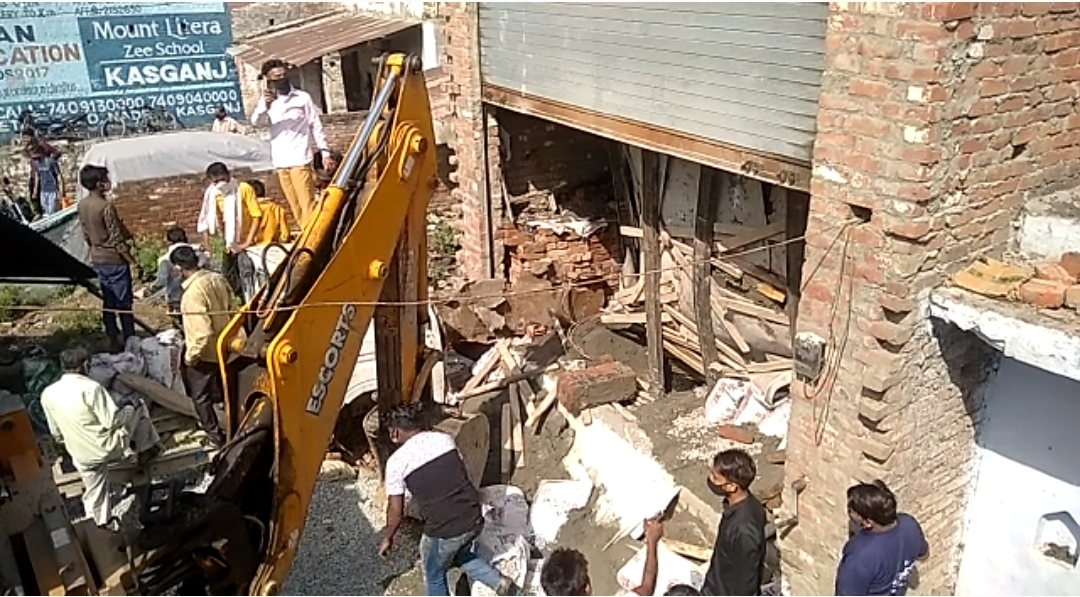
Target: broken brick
[(991, 277), (1071, 263), (1045, 294), (1055, 272), (1072, 296), (602, 383), (736, 434)]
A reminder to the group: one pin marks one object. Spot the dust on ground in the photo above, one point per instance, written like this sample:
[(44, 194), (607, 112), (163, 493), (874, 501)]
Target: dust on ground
[(685, 442)]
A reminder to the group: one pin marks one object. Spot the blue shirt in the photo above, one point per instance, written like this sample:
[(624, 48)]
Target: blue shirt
[(880, 563), (48, 174)]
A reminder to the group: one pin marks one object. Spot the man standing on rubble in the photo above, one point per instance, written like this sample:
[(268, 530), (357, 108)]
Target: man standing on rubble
[(96, 431), (110, 253), (204, 312), (739, 552), (428, 466)]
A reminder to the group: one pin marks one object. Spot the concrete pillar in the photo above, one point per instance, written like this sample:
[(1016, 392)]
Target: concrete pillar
[(333, 83)]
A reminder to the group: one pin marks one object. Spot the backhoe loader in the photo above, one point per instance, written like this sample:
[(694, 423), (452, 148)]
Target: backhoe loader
[(285, 358)]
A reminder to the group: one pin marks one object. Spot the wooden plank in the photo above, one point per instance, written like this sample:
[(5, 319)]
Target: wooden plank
[(750, 236), (485, 370), (721, 313), (741, 305), (545, 403), (517, 421), (694, 552), (704, 216), (728, 354), (159, 394), (629, 318), (507, 434), (650, 246), (798, 207)]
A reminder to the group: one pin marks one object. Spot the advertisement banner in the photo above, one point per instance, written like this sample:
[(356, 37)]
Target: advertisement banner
[(115, 60)]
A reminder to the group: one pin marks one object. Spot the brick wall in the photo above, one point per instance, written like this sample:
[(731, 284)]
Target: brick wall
[(253, 18), (147, 206), (468, 128), (936, 122), (540, 157)]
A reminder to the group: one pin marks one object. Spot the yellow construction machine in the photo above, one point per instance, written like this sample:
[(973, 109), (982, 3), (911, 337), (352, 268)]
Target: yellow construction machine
[(286, 361)]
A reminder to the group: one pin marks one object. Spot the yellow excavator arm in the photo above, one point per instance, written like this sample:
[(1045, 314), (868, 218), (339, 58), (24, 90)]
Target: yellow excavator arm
[(288, 356)]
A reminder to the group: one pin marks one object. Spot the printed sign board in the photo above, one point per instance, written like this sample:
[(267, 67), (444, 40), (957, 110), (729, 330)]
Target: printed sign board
[(59, 59)]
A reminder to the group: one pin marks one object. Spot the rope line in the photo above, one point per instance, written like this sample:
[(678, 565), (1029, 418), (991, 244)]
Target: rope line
[(459, 299)]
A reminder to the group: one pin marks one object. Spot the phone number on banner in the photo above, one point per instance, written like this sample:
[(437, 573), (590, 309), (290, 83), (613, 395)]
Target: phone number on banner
[(161, 100)]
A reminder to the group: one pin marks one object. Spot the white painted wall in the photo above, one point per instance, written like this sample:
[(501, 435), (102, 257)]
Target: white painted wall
[(1029, 448)]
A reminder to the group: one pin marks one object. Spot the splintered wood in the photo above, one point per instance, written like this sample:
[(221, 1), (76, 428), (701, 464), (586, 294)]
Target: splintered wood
[(683, 306)]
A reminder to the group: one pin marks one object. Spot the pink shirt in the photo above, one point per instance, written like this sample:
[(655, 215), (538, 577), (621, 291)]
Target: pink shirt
[(295, 127)]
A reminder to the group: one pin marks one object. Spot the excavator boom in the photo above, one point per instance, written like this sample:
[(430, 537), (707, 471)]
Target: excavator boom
[(287, 357)]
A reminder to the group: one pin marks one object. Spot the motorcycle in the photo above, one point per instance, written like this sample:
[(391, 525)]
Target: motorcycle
[(75, 126)]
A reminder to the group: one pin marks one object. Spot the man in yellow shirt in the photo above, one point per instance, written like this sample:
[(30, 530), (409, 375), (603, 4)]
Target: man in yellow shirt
[(236, 206), (273, 227), (204, 310)]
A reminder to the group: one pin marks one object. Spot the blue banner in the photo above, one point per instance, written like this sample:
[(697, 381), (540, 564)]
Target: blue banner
[(104, 59)]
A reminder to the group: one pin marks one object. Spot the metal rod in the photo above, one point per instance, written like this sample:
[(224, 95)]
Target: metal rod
[(356, 151)]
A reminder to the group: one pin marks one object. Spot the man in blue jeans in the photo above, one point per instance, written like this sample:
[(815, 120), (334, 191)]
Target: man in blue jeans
[(110, 254), (429, 468)]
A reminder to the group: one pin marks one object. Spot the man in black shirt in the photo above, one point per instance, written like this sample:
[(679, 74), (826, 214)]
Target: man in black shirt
[(428, 466), (739, 551)]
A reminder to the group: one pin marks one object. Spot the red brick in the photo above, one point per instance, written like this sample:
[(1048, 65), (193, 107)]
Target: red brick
[(872, 89), (603, 383), (1072, 297), (740, 435), (895, 304), (1054, 272), (1070, 262), (920, 31), (993, 87), (1045, 294), (947, 11), (906, 227)]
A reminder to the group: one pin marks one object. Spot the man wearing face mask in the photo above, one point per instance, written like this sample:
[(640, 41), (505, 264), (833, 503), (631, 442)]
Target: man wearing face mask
[(884, 548), (235, 207), (223, 123), (295, 127), (739, 552), (428, 466)]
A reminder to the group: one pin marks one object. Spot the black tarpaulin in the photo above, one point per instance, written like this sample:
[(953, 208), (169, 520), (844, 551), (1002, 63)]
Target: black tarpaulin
[(30, 258)]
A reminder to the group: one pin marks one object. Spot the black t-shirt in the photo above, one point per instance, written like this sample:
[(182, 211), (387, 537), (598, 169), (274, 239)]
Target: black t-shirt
[(429, 468), (739, 551)]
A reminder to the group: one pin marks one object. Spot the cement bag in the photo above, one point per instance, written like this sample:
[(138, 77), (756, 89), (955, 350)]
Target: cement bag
[(725, 400), (552, 505), (162, 355), (753, 410), (775, 424), (504, 540), (673, 570)]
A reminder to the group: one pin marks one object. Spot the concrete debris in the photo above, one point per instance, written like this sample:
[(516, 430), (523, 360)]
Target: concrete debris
[(551, 507)]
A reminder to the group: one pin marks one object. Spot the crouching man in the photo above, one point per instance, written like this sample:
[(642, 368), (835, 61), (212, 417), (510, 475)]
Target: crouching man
[(97, 431), (429, 467)]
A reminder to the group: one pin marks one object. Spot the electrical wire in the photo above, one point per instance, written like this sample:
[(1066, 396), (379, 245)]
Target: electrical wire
[(614, 277)]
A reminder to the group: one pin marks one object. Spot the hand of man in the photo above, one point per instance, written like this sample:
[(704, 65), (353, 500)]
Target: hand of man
[(654, 531), (385, 546), (269, 95), (328, 162)]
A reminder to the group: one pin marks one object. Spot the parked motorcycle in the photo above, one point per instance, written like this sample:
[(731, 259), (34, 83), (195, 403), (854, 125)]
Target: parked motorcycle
[(74, 126)]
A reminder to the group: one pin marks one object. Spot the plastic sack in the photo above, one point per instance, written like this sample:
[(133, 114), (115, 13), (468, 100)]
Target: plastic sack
[(726, 399), (673, 570), (40, 371), (162, 355), (504, 540), (552, 505)]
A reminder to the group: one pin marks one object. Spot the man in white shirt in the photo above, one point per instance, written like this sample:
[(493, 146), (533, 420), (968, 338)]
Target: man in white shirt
[(223, 123), (95, 430), (295, 127)]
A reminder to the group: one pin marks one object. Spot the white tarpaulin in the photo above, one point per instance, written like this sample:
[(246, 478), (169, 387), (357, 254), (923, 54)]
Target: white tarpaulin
[(176, 154)]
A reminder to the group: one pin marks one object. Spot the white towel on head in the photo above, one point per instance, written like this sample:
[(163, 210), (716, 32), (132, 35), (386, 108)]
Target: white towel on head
[(208, 214)]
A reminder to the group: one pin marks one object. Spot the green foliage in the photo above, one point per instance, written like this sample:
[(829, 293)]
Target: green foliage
[(147, 249), (442, 250), (10, 296)]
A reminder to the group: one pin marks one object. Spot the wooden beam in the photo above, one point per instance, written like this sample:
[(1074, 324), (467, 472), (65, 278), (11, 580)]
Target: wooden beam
[(798, 210), (650, 246), (783, 171), (704, 216)]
